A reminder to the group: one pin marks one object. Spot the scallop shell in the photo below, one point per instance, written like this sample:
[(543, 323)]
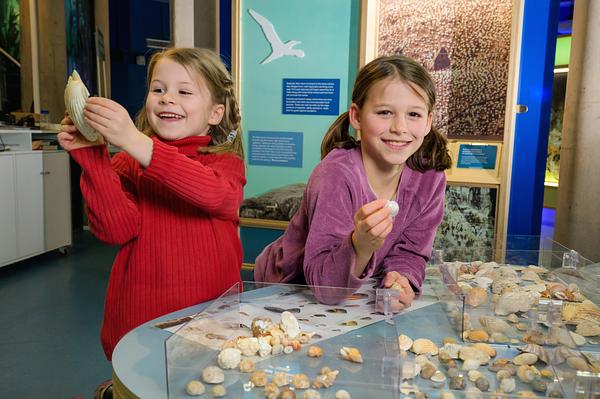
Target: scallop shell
[(494, 325), (301, 381), (229, 358), (195, 388), (404, 342), (289, 324), (213, 375), (351, 354), (476, 296), (588, 329), (76, 94), (424, 345)]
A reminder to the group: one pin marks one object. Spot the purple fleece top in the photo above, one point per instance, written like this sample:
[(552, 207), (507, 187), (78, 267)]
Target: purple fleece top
[(318, 242)]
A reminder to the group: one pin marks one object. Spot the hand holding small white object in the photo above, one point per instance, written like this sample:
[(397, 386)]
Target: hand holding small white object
[(393, 205)]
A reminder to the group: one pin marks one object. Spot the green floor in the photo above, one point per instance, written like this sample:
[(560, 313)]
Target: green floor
[(50, 316)]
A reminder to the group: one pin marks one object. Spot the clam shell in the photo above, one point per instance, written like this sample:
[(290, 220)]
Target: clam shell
[(494, 325), (404, 342), (469, 352), (578, 363), (537, 350), (514, 301), (424, 345), (491, 352), (478, 335), (525, 359), (526, 373), (476, 296), (471, 364), (76, 94)]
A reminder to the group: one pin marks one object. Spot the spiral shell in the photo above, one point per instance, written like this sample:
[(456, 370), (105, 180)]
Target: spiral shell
[(76, 95)]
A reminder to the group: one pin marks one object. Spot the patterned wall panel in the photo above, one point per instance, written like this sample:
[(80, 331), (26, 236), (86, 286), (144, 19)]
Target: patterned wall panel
[(466, 47)]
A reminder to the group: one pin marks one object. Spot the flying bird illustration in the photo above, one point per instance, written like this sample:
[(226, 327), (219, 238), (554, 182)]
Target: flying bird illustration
[(278, 48)]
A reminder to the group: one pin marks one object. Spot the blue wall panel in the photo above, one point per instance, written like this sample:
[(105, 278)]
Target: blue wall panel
[(540, 24)]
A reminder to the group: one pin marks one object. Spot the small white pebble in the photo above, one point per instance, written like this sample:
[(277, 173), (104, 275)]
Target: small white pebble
[(393, 205), (195, 388)]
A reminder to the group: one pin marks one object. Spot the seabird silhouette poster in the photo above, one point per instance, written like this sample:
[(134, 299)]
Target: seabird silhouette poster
[(298, 60)]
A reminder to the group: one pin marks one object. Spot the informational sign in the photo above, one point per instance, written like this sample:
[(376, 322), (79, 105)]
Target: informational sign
[(477, 156), (311, 96), (275, 148)]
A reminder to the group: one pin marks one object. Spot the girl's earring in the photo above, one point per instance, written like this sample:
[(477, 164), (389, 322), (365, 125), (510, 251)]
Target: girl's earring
[(231, 136)]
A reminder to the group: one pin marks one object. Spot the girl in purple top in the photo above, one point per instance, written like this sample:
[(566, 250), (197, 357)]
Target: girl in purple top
[(343, 232)]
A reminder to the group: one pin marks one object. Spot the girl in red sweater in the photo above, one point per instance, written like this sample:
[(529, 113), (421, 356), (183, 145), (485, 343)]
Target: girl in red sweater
[(170, 199)]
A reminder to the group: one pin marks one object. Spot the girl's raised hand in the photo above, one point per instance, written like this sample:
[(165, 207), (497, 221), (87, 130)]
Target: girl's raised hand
[(397, 281), (70, 139), (111, 120), (372, 224)]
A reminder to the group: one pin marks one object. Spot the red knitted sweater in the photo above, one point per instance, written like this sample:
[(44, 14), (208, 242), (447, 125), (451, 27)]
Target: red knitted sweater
[(176, 222)]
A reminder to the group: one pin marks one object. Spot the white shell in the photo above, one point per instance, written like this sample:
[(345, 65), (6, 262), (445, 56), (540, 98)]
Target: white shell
[(405, 342), (393, 205), (213, 375), (289, 324), (342, 394), (76, 95), (195, 388), (229, 358)]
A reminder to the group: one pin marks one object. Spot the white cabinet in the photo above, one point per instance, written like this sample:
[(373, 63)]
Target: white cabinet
[(35, 206)]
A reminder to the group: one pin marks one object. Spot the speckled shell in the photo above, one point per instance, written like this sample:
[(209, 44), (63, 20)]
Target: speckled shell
[(424, 345), (213, 375)]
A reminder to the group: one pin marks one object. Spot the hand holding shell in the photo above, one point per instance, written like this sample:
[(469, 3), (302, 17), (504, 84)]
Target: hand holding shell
[(76, 95)]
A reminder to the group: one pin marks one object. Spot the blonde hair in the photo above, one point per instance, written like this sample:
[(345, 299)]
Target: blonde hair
[(433, 153), (207, 64)]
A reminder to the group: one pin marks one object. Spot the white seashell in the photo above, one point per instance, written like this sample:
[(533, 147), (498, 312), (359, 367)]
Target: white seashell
[(393, 205), (508, 385), (248, 346), (311, 394), (404, 342), (471, 364), (451, 350), (342, 394), (494, 325), (514, 301), (76, 94), (218, 391), (424, 345), (195, 388), (229, 358), (213, 375), (577, 339), (289, 324), (474, 375)]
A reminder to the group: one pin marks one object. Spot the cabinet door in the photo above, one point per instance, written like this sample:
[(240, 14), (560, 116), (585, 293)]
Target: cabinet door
[(30, 204), (57, 200), (8, 232)]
